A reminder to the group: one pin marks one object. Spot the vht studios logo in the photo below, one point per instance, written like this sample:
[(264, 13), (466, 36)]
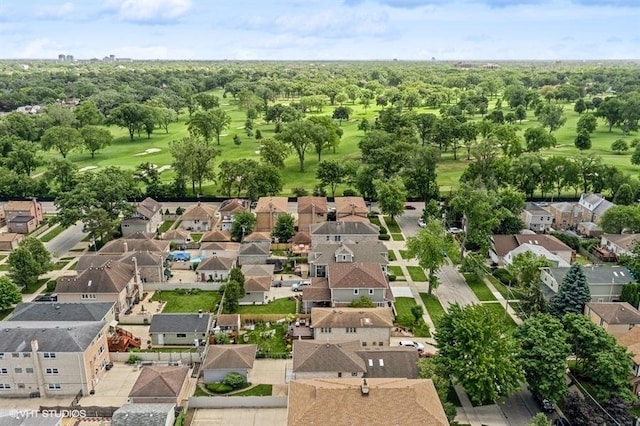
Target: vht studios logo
[(22, 414)]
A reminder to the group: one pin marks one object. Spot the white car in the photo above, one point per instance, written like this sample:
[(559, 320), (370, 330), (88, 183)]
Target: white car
[(299, 285), (419, 346), (455, 230), (421, 223)]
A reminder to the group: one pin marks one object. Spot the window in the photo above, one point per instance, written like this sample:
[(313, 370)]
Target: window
[(20, 385), (370, 291), (354, 374), (18, 370), (88, 296), (4, 371), (364, 343), (5, 386), (54, 386), (101, 350), (15, 355), (325, 330), (26, 355), (351, 329), (380, 344), (337, 238), (1, 355), (328, 238), (181, 335), (340, 374), (28, 370), (51, 371), (356, 291), (49, 355)]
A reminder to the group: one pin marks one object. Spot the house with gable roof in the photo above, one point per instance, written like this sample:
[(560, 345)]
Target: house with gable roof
[(228, 210), (224, 359), (616, 318), (350, 206), (146, 218), (505, 247), (215, 268), (199, 217), (337, 232), (313, 359), (267, 211), (593, 207), (311, 210), (347, 252), (23, 217), (160, 385), (257, 283), (370, 326)]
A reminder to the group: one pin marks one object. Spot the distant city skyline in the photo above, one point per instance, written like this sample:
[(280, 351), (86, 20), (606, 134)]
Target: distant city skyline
[(321, 29)]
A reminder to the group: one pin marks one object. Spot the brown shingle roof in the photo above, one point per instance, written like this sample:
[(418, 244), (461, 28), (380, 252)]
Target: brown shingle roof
[(301, 237), (254, 249), (227, 357), (312, 205), (124, 245), (341, 402), (176, 234), (257, 283), (10, 236), (351, 206), (318, 357), (354, 218), (159, 382), (352, 317), (228, 320), (216, 236), (631, 341), (141, 236), (616, 312), (624, 241), (216, 263), (356, 275), (199, 211), (233, 206), (148, 207), (111, 277), (257, 270), (257, 237), (222, 246), (13, 206), (317, 291), (272, 204)]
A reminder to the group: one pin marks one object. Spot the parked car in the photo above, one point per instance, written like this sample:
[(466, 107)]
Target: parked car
[(561, 421), (422, 223), (409, 207), (419, 346), (46, 298), (454, 230), (299, 285), (545, 404)]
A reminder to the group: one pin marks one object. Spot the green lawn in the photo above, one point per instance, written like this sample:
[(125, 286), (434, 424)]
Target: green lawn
[(257, 390), (396, 270), (196, 237), (479, 288), (392, 256), (60, 264), (2, 256), (176, 302), (166, 225), (404, 254), (51, 233), (506, 292), (397, 237), (405, 317), (416, 273), (278, 306), (434, 307), (501, 314), (4, 267), (375, 220), (267, 343), (392, 225), (5, 313)]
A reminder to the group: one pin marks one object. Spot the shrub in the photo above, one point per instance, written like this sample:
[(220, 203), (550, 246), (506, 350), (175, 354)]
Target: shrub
[(219, 388), (234, 380), (504, 276), (51, 286), (134, 359), (349, 192), (570, 240), (299, 191), (383, 230), (392, 277), (384, 237)]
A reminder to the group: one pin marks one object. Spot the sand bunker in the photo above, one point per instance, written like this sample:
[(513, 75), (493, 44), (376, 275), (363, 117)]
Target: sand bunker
[(84, 169), (148, 151), (163, 168)]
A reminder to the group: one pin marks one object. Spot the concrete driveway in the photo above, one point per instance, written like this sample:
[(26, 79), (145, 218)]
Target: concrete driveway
[(113, 389), (240, 417), (268, 371)]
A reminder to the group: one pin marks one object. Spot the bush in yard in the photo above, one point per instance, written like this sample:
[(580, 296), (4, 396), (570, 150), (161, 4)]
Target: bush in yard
[(133, 359), (219, 388), (392, 277), (383, 230), (384, 237), (235, 380), (504, 276), (349, 192)]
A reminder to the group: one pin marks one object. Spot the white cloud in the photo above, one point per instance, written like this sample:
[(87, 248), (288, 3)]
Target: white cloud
[(144, 52), (40, 48), (149, 11), (55, 12)]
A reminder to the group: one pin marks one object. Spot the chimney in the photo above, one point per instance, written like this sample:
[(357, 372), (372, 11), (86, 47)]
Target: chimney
[(364, 388), (126, 246), (200, 314)]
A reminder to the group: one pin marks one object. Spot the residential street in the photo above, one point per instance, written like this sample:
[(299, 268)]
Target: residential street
[(67, 240)]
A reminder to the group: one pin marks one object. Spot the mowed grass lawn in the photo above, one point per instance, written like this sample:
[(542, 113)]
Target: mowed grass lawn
[(278, 306), (434, 307), (416, 273), (129, 154), (396, 270), (478, 286), (51, 233), (405, 317), (187, 303)]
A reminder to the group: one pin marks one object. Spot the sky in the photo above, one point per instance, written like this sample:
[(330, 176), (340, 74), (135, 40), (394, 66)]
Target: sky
[(321, 29)]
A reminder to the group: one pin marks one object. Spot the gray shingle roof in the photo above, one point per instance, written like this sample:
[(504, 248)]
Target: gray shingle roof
[(142, 415), (254, 249), (344, 228), (107, 279), (394, 361), (51, 336), (317, 357), (179, 323), (227, 357), (352, 317), (598, 274), (216, 263), (363, 251), (43, 311)]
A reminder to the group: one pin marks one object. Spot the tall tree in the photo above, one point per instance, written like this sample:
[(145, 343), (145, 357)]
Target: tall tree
[(207, 101), (476, 206), (193, 159), (265, 180), (537, 138), (611, 109), (624, 195), (420, 173), (573, 293), (274, 152), (552, 116), (95, 138), (24, 157), (391, 195), (87, 113), (64, 139), (242, 225), (27, 262), (476, 350), (429, 246), (525, 268), (425, 124), (341, 113), (330, 173), (544, 355), (9, 293), (63, 173), (131, 116), (201, 125), (587, 123), (220, 121), (284, 230), (621, 218), (301, 135)]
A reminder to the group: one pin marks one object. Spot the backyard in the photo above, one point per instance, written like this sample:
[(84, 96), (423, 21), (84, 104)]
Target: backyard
[(186, 301), (405, 317), (285, 305), (270, 339)]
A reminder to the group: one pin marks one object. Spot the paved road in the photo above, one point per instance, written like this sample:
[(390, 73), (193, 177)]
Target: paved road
[(453, 288), (519, 408), (408, 221), (65, 241)]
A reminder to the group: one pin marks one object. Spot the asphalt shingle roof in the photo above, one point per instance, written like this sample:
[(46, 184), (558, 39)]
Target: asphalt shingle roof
[(55, 311), (51, 336), (142, 415), (179, 323)]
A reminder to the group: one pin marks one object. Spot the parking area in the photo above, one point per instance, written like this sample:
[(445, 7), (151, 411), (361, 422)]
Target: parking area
[(268, 371), (240, 416), (114, 388)]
